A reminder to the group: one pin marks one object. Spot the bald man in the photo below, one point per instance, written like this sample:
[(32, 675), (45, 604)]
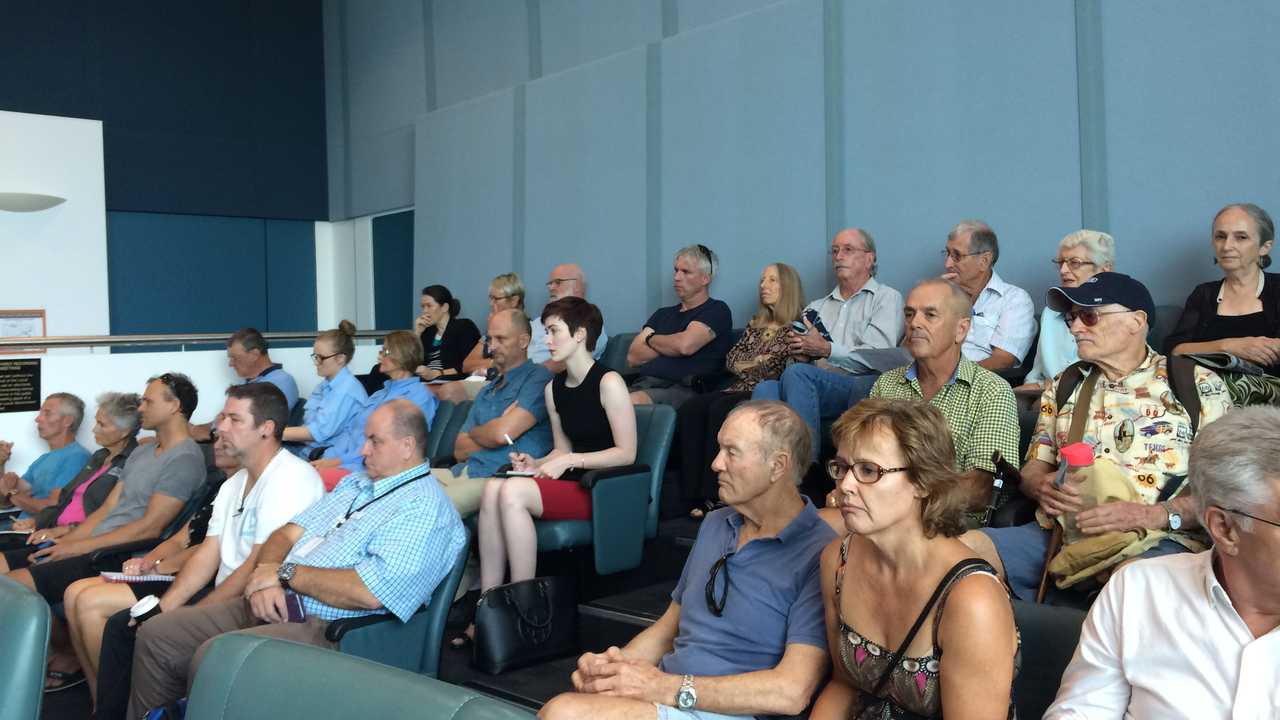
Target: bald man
[(565, 280)]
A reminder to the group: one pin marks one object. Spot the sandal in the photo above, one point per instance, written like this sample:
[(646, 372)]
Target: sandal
[(64, 679), (467, 637)]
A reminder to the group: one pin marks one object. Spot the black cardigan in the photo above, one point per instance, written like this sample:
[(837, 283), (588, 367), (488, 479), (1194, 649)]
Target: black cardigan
[(1202, 308), (460, 336), (96, 494)]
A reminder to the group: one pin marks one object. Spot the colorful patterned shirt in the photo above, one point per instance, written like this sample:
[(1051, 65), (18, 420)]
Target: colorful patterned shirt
[(760, 354), (400, 534), (978, 405)]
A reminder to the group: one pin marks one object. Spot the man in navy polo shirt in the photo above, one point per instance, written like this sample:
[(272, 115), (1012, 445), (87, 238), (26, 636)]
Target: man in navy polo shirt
[(509, 415), (754, 647)]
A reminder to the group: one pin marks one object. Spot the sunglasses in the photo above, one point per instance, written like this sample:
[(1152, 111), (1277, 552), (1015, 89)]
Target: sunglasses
[(717, 606), (1088, 316)]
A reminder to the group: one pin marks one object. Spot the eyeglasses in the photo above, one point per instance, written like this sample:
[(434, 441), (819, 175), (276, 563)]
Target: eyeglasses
[(1073, 263), (384, 353), (317, 359), (717, 607), (1251, 517), (957, 257), (864, 471), (554, 283), (843, 250), (1088, 316), (498, 298)]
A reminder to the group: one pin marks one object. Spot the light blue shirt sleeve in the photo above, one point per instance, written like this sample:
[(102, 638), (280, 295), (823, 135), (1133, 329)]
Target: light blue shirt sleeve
[(334, 409)]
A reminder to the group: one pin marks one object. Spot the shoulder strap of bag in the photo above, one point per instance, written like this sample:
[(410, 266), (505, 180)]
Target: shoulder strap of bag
[(915, 627), (1080, 413), (1182, 381)]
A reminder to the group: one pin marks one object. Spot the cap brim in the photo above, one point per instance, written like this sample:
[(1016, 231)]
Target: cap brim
[(1062, 299)]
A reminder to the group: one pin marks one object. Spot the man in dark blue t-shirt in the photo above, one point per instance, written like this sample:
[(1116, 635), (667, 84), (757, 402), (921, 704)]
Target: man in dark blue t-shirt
[(690, 338)]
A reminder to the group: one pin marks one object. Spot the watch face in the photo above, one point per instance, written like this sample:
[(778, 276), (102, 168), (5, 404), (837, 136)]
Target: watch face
[(1175, 521), (685, 698)]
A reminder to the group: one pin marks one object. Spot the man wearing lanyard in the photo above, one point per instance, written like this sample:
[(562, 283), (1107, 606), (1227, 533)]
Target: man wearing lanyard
[(380, 542)]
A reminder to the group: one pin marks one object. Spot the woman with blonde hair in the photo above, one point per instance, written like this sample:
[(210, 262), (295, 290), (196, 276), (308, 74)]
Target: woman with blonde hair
[(337, 398), (760, 354), (900, 588)]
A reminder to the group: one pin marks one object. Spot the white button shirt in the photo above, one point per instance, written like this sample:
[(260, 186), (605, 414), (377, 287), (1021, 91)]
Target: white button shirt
[(869, 318), (1003, 317), (1164, 641)]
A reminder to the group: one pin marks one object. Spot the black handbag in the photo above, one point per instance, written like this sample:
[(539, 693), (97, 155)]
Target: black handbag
[(525, 622)]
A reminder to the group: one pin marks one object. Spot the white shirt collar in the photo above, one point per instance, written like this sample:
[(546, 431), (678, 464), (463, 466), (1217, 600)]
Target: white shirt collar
[(871, 285), (996, 284), (1262, 280)]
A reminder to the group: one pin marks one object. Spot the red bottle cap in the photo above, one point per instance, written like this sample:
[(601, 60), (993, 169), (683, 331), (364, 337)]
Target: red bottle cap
[(1077, 454)]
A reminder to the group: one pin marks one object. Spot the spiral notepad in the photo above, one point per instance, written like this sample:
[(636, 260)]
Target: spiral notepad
[(117, 577)]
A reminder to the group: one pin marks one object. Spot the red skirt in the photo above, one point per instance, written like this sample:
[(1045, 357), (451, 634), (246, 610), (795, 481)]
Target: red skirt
[(563, 499)]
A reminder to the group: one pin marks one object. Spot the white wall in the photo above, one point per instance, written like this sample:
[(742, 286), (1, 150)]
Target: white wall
[(87, 375), (55, 259)]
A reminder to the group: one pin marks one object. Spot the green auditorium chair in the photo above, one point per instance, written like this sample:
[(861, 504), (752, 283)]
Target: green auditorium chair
[(443, 455), (614, 356), (24, 635)]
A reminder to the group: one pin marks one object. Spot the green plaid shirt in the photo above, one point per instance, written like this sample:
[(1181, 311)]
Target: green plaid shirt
[(978, 406)]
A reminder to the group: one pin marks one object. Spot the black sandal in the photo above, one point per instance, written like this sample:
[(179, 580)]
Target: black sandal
[(65, 680)]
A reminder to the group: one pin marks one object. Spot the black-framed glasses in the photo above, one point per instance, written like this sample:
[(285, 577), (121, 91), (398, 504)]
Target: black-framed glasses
[(317, 358), (717, 606), (1073, 263), (1251, 517), (864, 471), (1088, 316)]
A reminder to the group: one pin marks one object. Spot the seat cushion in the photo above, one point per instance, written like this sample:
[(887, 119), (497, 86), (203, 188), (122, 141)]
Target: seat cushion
[(560, 534)]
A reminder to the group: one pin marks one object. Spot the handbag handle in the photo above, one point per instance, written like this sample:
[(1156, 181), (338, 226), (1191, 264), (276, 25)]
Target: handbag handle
[(520, 611)]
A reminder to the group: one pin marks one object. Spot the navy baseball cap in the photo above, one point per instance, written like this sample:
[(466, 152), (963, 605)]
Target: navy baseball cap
[(1105, 288)]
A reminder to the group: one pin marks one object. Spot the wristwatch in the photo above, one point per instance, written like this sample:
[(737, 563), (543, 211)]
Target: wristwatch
[(1175, 520), (686, 696), (285, 574)]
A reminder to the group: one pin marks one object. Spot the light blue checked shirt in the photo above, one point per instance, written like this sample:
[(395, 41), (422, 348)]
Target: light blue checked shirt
[(402, 545)]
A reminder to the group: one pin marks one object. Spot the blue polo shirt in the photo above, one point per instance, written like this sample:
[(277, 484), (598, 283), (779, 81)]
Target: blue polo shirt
[(53, 470), (774, 596), (277, 376), (525, 386)]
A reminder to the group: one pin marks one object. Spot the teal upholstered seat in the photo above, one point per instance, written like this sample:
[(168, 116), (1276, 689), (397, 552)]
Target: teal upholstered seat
[(24, 636)]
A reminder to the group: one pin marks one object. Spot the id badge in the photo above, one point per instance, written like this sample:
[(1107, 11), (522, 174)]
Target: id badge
[(304, 549)]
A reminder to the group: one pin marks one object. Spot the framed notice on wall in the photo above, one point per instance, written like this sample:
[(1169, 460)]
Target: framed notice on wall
[(21, 324)]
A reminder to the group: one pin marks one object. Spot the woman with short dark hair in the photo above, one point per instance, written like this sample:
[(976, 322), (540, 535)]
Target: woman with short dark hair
[(900, 567)]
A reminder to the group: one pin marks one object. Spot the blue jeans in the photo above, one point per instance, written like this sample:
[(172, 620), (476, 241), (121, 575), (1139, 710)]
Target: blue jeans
[(816, 394)]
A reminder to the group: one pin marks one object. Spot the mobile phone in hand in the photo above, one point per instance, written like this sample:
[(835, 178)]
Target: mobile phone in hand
[(293, 606)]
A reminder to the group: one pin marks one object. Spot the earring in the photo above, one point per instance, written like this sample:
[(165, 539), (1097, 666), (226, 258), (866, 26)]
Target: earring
[(1215, 259)]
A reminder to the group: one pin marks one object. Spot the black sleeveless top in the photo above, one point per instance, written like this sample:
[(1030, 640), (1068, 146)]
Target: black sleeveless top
[(582, 415)]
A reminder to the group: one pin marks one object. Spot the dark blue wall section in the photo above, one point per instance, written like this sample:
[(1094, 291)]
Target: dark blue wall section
[(213, 108), (393, 292), (185, 273)]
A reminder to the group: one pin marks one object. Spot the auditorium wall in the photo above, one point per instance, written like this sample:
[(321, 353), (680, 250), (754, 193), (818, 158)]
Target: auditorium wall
[(611, 132)]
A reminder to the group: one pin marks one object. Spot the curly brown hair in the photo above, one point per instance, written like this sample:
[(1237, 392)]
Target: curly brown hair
[(922, 433)]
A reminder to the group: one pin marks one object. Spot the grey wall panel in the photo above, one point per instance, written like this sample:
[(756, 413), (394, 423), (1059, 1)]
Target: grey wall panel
[(336, 105), (742, 148), (463, 215), (949, 115), (694, 13), (1191, 97), (385, 66), (579, 31), (382, 171), (585, 184), (479, 46)]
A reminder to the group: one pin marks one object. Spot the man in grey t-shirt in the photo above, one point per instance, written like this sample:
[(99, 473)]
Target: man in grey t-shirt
[(156, 484)]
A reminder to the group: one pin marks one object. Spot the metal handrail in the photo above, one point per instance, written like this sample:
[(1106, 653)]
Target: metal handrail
[(66, 341)]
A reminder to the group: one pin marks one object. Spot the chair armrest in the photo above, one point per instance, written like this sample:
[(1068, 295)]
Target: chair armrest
[(9, 511), (591, 477), (340, 627), (317, 453), (444, 462), (114, 555)]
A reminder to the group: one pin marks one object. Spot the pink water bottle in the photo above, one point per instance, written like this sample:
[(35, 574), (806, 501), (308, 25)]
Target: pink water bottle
[(1073, 457)]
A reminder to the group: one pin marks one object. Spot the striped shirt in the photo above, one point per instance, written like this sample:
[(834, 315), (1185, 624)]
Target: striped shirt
[(400, 534)]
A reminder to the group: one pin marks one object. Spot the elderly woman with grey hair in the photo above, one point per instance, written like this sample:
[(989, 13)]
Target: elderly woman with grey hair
[(115, 429), (1081, 255), (1199, 630)]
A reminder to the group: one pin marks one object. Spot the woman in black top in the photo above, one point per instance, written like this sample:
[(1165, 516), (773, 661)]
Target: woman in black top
[(1239, 314), (593, 425), (446, 338)]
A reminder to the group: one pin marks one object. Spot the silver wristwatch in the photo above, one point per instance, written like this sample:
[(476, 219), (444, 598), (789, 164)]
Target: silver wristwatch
[(1175, 520), (686, 696), (285, 574)]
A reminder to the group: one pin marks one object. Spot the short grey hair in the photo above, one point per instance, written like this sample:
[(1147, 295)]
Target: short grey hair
[(702, 256), (870, 242), (1100, 246), (981, 237), (1235, 462), (69, 406), (123, 409), (782, 430)]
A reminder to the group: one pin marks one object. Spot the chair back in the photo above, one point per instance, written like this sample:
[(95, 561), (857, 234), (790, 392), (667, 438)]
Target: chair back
[(450, 432), (24, 635), (1049, 637), (437, 612), (1162, 324), (655, 426), (614, 356), (444, 413)]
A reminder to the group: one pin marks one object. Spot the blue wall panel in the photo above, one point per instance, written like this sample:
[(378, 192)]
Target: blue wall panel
[(394, 296), (585, 183), (743, 151), (464, 214), (291, 275), (694, 13), (479, 46), (579, 31), (1190, 109), (946, 117)]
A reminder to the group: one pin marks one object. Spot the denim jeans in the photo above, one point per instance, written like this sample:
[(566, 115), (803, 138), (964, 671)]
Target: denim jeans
[(816, 394)]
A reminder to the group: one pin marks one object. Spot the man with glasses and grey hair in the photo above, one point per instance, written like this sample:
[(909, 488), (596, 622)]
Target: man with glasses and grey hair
[(1004, 318), (691, 337), (729, 649), (1195, 635), (565, 280), (1127, 497)]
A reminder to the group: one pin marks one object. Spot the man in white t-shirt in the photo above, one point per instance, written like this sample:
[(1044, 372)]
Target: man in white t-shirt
[(272, 487)]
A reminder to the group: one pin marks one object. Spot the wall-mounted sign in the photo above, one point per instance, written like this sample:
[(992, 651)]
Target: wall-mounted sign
[(19, 385), (22, 324)]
